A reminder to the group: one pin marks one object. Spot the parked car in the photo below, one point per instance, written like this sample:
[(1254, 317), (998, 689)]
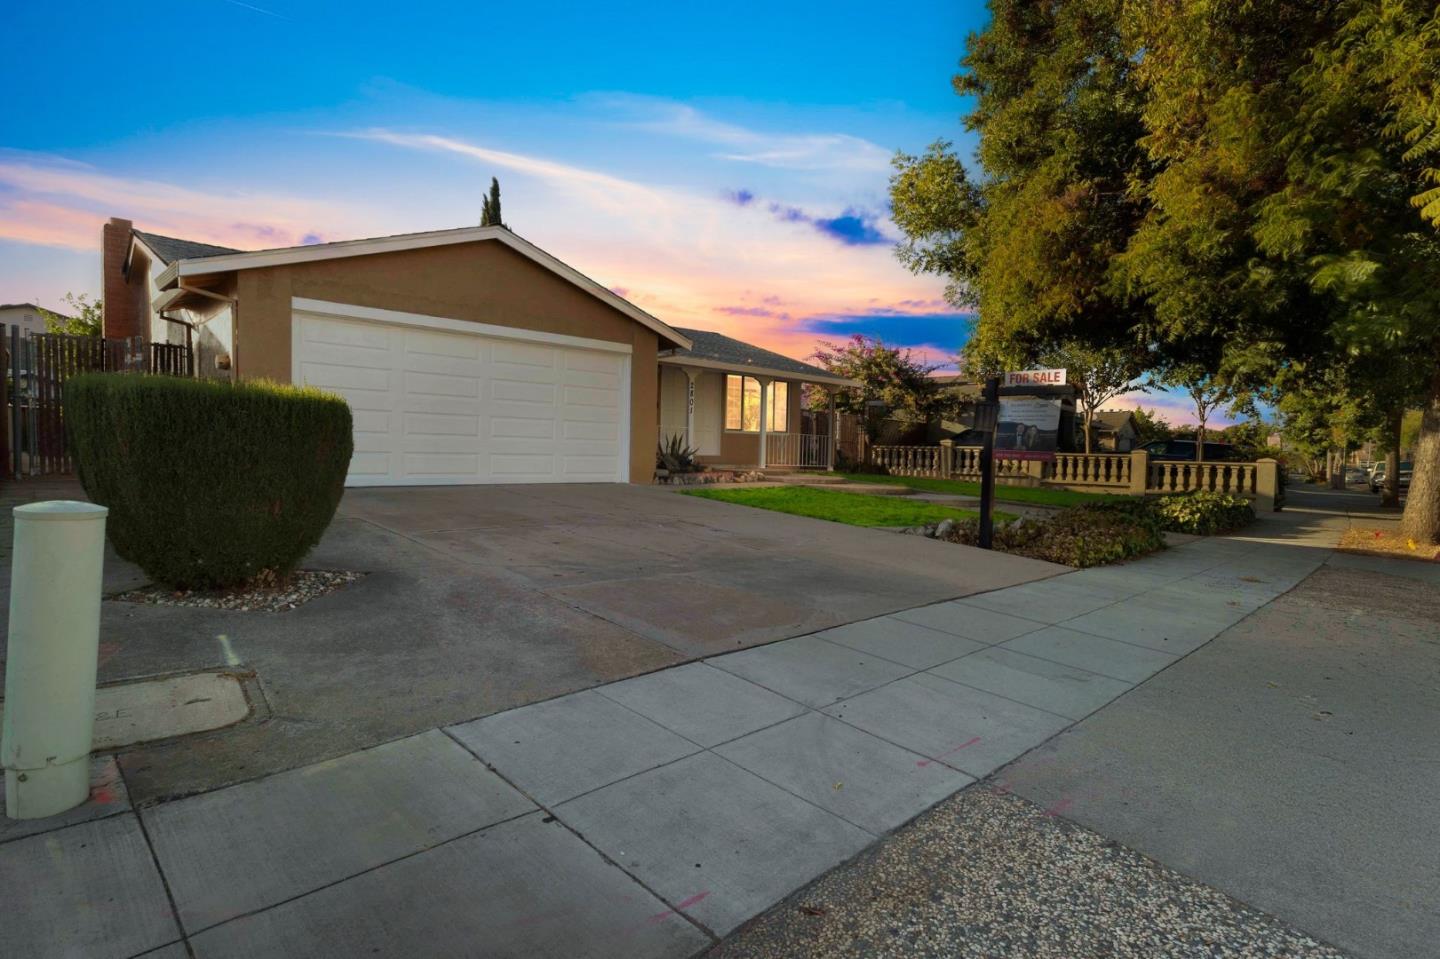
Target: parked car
[(1175, 450), (1355, 476), (1377, 479)]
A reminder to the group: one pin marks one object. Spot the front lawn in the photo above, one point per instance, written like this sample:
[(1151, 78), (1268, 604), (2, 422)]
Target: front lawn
[(1035, 495), (857, 509)]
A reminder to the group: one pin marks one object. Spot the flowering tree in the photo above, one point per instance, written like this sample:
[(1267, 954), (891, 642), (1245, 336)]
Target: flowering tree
[(891, 376)]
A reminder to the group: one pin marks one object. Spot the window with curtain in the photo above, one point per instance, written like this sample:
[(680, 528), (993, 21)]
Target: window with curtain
[(742, 405)]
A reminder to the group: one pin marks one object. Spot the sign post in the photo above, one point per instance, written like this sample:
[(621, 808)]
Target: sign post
[(991, 402)]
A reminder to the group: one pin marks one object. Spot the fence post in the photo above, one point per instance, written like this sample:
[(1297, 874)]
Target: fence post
[(1267, 484), (947, 449), (1139, 472)]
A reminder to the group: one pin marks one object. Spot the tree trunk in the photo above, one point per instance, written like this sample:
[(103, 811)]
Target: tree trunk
[(1200, 442), (1421, 521), (1089, 427), (1336, 474), (1390, 491)]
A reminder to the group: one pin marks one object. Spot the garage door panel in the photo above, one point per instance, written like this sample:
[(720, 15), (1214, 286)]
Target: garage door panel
[(432, 465), (369, 463), (505, 353), (370, 421), (440, 424), (514, 391), (332, 376), (571, 429), (336, 334), (441, 384), (506, 427), (446, 347), (442, 407), (584, 396)]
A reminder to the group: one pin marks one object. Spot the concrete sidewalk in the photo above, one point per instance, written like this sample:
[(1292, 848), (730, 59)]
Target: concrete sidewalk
[(644, 818)]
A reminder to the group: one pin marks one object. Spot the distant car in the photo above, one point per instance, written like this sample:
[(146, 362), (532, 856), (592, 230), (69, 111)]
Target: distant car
[(1184, 450), (1377, 479), (1355, 476)]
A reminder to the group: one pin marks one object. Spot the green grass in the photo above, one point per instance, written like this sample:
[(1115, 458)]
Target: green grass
[(1035, 495), (856, 509)]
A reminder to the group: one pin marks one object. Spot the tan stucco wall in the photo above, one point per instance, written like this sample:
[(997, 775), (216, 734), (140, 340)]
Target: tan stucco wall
[(485, 282)]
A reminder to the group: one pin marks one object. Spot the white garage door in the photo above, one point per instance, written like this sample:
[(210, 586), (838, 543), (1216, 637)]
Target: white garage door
[(441, 406)]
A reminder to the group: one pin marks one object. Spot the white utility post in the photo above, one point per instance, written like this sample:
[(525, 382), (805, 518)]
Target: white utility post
[(764, 415), (54, 645)]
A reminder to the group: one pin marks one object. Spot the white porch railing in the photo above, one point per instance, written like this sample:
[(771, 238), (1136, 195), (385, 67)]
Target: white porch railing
[(797, 449)]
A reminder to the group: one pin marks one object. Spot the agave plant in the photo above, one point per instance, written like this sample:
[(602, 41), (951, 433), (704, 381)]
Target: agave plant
[(672, 454)]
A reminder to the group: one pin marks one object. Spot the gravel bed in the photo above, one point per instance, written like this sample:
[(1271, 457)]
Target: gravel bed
[(302, 586), (988, 874)]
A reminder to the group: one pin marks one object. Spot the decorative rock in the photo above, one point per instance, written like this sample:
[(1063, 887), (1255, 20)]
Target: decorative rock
[(944, 529)]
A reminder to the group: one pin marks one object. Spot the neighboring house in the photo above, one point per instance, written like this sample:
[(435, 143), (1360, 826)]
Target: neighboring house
[(26, 316), (467, 356), (1114, 431)]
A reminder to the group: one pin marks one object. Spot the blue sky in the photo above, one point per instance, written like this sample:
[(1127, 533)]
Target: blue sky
[(725, 166)]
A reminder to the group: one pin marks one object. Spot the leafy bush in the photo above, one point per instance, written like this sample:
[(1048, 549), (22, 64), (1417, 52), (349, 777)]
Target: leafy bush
[(1090, 535), (1204, 513), (209, 484)]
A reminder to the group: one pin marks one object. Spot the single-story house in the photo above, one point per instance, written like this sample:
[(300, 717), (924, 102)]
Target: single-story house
[(1112, 431), (467, 356)]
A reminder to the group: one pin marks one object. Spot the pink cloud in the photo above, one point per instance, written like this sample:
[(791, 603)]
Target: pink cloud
[(64, 204)]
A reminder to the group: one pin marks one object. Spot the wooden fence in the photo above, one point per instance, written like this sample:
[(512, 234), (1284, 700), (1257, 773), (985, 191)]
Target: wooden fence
[(36, 368), (1133, 473)]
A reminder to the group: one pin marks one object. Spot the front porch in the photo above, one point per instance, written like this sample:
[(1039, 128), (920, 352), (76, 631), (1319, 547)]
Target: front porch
[(741, 407)]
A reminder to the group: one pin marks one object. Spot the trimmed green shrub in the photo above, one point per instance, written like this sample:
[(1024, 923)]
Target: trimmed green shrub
[(1204, 513), (209, 484), (1090, 535)]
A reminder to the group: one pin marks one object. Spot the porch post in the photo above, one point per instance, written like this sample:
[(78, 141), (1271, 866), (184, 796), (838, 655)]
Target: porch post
[(764, 415), (834, 431), (689, 407)]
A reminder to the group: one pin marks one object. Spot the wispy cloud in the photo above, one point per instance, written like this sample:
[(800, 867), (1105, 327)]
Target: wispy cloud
[(54, 202), (790, 151)]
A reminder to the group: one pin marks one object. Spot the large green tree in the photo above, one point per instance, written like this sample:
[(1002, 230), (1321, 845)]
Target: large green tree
[(1256, 192)]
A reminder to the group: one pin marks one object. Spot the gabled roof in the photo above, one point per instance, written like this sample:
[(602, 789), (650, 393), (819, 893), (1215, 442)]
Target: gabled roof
[(169, 248), (718, 351), (1113, 419), (224, 261)]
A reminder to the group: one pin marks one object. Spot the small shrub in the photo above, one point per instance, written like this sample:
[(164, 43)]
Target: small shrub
[(1204, 513), (209, 484), (1090, 535), (844, 463), (675, 456)]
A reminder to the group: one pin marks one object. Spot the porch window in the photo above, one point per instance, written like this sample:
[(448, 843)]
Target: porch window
[(742, 405)]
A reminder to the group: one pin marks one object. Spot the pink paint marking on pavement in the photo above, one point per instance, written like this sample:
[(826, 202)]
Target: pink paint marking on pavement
[(1059, 808), (969, 742), (683, 904), (107, 652)]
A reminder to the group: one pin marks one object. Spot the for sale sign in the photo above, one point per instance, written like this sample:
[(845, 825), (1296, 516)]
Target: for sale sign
[(1035, 378)]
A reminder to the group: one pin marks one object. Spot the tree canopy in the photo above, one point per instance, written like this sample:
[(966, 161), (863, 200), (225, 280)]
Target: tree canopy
[(85, 317), (1250, 190)]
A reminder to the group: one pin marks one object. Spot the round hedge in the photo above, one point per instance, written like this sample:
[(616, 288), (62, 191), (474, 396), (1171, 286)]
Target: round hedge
[(209, 483)]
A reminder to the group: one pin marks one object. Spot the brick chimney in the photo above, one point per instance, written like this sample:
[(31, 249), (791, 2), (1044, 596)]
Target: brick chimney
[(121, 299)]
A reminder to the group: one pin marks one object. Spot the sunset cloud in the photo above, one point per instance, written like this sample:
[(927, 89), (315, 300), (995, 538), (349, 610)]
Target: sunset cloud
[(53, 202)]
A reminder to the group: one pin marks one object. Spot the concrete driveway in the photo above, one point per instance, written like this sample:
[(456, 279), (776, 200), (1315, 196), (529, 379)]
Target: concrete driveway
[(480, 599)]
